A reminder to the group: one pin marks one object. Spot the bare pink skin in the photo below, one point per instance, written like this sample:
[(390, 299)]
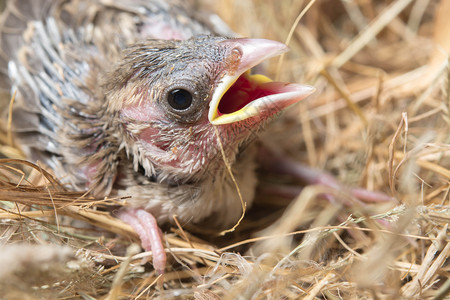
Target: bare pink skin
[(160, 30), (151, 237), (309, 176)]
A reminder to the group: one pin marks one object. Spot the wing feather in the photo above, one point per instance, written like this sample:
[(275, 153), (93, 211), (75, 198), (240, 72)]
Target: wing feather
[(53, 54)]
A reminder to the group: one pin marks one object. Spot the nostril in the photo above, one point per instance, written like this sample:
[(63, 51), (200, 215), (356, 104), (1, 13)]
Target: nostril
[(234, 59), (236, 53)]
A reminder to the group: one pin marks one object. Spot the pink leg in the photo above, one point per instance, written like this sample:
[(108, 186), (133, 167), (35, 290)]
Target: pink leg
[(146, 227), (283, 165)]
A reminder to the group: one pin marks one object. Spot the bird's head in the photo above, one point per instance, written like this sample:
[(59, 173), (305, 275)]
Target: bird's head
[(173, 100)]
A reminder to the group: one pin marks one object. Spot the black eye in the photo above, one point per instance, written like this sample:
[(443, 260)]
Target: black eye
[(179, 99)]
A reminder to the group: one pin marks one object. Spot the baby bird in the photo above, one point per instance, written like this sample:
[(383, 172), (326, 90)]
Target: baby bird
[(146, 99)]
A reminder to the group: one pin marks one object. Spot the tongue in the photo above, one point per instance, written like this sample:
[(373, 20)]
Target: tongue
[(245, 91)]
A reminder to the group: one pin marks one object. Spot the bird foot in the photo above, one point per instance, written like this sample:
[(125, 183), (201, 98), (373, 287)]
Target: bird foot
[(147, 228), (283, 165)]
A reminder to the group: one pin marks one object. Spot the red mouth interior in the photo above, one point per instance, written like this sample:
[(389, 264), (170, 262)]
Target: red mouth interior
[(241, 93)]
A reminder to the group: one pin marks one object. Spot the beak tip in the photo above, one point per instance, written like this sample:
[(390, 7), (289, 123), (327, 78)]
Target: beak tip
[(309, 90)]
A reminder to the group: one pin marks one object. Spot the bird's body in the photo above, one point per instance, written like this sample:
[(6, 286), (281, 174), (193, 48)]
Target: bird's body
[(58, 71), (126, 98)]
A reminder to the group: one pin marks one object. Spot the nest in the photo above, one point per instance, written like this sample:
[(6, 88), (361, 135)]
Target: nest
[(380, 120)]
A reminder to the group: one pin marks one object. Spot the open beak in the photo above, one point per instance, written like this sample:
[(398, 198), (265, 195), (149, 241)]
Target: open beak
[(241, 95)]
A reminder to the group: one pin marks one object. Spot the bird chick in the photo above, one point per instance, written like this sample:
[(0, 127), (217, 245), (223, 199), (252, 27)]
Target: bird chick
[(141, 99)]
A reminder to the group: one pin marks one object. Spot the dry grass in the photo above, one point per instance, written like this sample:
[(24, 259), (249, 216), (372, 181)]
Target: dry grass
[(380, 120)]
